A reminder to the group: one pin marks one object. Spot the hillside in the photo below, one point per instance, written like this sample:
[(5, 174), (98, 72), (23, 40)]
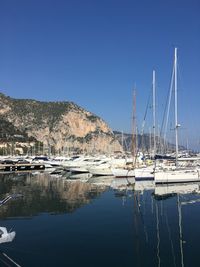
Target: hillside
[(144, 142), (60, 125)]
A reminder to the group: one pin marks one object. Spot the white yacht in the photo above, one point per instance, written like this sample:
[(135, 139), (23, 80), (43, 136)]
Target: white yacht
[(106, 167)]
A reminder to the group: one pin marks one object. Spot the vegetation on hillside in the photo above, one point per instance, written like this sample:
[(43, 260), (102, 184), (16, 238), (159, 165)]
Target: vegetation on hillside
[(8, 132)]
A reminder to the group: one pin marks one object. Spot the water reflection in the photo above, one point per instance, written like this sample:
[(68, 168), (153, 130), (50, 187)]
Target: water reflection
[(130, 223), (45, 193), (171, 211)]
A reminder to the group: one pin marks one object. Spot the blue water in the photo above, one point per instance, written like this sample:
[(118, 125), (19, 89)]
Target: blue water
[(58, 223)]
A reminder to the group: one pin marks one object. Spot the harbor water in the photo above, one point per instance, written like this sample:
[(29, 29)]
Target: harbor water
[(99, 222)]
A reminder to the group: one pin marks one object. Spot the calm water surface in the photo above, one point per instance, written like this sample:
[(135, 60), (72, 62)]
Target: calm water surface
[(100, 222)]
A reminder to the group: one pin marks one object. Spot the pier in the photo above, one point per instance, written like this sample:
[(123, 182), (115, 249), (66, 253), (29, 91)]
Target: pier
[(21, 167)]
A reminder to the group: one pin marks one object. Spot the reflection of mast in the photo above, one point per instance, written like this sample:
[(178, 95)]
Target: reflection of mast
[(158, 235), (7, 261), (136, 212), (180, 229)]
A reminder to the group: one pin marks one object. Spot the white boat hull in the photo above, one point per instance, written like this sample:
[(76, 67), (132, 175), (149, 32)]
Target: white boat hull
[(144, 174), (101, 171), (120, 173)]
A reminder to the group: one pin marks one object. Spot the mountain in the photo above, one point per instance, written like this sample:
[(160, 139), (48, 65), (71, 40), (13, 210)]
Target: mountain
[(144, 142), (59, 125)]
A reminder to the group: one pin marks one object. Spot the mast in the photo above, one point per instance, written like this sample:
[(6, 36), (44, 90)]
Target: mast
[(122, 140), (176, 104), (134, 128), (154, 114), (150, 146)]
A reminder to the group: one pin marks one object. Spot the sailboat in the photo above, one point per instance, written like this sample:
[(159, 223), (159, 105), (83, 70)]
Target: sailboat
[(129, 170), (147, 172), (177, 174)]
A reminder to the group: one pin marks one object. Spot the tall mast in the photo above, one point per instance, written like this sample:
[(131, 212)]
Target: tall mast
[(154, 113), (176, 104), (122, 140), (134, 127)]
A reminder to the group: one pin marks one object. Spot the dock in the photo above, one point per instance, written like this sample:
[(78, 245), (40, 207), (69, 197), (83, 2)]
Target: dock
[(21, 167)]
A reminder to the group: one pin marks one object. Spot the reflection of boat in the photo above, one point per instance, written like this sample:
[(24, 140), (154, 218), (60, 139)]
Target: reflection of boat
[(144, 185), (179, 190), (80, 176), (6, 236), (123, 183), (101, 180), (167, 189)]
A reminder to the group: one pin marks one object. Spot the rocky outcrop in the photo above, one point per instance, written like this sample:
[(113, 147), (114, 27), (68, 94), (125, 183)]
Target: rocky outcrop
[(61, 125)]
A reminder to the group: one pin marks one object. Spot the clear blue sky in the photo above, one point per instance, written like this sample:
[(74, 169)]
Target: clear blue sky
[(93, 52)]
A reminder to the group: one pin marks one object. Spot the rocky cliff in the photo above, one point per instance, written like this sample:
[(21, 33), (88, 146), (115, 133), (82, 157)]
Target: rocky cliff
[(60, 125)]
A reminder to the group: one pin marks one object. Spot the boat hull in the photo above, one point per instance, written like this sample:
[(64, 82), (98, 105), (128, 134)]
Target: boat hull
[(120, 173), (144, 174)]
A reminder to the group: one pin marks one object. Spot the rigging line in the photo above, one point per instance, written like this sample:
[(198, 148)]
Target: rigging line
[(145, 114), (169, 102), (144, 121), (167, 108), (168, 97)]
